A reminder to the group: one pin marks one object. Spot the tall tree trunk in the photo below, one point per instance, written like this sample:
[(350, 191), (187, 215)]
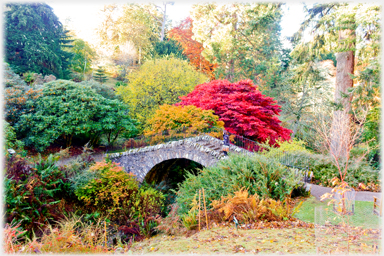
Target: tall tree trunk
[(231, 64), (341, 118), (163, 23), (231, 71)]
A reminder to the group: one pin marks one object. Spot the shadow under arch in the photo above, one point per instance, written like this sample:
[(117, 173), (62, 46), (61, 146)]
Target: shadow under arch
[(168, 174), (172, 171)]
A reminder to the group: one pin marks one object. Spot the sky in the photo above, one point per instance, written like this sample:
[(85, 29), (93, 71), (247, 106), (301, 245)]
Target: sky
[(84, 16)]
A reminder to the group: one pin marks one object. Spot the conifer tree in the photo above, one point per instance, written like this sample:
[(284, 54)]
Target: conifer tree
[(351, 32), (35, 40), (100, 75)]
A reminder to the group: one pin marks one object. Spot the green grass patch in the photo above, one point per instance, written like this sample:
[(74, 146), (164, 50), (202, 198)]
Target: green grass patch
[(363, 216)]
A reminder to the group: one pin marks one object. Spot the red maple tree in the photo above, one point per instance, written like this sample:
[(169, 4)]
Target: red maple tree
[(192, 49), (242, 107)]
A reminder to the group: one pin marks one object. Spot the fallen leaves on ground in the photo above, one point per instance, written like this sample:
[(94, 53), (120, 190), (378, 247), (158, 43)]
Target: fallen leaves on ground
[(278, 238)]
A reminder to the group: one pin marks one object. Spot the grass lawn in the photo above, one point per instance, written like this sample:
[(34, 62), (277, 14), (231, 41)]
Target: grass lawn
[(363, 216)]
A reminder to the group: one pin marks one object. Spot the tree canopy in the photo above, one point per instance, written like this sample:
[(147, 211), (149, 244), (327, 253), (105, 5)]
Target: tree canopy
[(242, 107), (192, 48), (83, 55), (352, 32), (158, 82), (136, 23), (242, 39), (188, 119), (35, 40)]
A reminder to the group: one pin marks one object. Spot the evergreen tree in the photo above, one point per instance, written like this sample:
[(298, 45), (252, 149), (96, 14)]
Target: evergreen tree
[(66, 54), (100, 75), (352, 32), (34, 40), (243, 39), (167, 48)]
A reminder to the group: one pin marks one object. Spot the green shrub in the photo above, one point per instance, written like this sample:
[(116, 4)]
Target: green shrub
[(292, 146), (16, 95), (257, 174), (102, 89), (358, 171), (67, 109), (11, 142), (371, 134), (38, 197), (322, 166), (107, 188), (190, 219)]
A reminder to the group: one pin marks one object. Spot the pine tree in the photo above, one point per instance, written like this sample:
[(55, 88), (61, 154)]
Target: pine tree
[(66, 55), (167, 48), (34, 40), (100, 75)]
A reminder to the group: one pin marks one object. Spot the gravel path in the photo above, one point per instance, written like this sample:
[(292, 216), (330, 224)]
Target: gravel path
[(317, 191)]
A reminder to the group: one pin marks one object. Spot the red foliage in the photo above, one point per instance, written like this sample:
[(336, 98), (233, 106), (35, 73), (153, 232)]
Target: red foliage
[(242, 107), (192, 49)]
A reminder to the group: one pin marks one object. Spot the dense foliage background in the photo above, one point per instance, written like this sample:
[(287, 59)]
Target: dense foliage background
[(69, 101)]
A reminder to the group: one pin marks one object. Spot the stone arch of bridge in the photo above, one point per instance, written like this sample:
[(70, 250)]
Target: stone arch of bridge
[(165, 170), (181, 155), (203, 150)]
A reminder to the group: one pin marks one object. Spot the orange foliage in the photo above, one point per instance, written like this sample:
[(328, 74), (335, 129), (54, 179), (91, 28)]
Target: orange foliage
[(192, 49), (251, 208), (16, 99)]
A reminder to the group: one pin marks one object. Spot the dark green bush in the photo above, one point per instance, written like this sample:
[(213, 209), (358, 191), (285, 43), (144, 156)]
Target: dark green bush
[(67, 109), (256, 174)]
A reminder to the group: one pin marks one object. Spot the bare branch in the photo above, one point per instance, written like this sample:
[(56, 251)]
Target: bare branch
[(348, 135)]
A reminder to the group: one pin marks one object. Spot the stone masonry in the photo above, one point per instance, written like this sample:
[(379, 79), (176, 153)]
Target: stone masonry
[(205, 150)]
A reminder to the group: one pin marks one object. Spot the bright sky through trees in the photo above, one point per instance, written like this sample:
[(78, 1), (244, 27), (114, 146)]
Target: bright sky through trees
[(84, 18)]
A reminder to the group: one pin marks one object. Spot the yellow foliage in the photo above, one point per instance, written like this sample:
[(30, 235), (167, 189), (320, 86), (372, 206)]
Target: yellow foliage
[(158, 82), (170, 121)]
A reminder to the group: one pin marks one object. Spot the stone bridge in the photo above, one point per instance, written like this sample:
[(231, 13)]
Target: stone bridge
[(204, 149)]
